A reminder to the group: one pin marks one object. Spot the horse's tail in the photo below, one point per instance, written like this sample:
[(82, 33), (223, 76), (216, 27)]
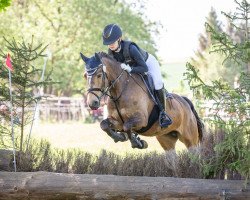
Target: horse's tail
[(199, 122)]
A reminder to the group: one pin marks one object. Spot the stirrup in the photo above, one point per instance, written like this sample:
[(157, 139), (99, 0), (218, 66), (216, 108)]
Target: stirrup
[(164, 119)]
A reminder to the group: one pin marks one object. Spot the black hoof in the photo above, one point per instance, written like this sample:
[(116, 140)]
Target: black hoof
[(142, 144), (119, 137), (136, 142), (145, 144)]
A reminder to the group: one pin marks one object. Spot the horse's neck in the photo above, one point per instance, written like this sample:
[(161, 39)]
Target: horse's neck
[(114, 73)]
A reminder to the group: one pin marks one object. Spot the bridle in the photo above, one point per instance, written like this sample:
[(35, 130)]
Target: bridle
[(105, 89)]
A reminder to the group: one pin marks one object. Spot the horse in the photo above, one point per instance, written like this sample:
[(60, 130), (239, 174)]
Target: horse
[(131, 107)]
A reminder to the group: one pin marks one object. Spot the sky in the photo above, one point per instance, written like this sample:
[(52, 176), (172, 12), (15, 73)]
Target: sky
[(183, 21)]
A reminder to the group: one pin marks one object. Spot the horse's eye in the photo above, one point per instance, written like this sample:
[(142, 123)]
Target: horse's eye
[(99, 75)]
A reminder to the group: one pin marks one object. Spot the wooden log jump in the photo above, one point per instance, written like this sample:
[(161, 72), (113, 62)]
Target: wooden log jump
[(46, 185)]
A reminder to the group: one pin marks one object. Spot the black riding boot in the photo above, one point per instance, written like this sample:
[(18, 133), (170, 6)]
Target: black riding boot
[(164, 119)]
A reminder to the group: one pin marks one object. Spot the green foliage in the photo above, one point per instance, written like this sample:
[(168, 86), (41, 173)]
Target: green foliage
[(237, 46), (208, 64), (70, 27), (219, 49), (4, 4), (231, 105), (231, 110), (25, 80)]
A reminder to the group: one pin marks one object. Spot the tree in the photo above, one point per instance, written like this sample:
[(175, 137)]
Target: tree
[(209, 65), (4, 4), (214, 66), (236, 44), (231, 104), (25, 79), (70, 27)]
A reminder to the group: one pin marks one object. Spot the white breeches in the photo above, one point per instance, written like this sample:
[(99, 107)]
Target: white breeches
[(154, 71)]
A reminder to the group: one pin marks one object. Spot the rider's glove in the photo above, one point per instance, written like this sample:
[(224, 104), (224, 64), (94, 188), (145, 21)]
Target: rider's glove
[(126, 67)]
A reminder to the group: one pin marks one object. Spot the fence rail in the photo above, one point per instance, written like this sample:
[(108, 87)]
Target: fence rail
[(62, 108), (56, 109), (46, 185)]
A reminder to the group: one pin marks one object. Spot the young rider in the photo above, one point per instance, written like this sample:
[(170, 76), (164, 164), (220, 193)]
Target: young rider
[(136, 60)]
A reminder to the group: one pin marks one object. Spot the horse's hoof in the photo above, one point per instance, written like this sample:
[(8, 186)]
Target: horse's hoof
[(136, 144), (122, 137), (125, 136), (144, 144), (139, 144)]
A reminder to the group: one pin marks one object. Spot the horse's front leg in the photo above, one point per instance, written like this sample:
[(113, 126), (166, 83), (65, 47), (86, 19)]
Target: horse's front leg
[(130, 125), (109, 128)]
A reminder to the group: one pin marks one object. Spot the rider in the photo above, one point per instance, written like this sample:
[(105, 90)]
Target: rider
[(136, 60)]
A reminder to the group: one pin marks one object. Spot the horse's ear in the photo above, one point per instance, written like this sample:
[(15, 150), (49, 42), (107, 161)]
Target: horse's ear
[(102, 54), (97, 56), (84, 58)]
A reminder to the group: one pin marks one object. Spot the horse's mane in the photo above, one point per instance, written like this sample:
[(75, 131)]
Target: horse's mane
[(105, 55)]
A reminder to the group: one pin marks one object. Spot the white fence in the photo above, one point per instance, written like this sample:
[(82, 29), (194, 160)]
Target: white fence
[(65, 108), (57, 109)]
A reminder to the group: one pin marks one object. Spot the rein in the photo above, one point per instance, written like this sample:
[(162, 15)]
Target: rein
[(117, 98)]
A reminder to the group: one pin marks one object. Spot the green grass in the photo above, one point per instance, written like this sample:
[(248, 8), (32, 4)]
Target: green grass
[(89, 138)]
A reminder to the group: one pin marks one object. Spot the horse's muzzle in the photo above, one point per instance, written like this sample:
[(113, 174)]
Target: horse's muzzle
[(94, 105)]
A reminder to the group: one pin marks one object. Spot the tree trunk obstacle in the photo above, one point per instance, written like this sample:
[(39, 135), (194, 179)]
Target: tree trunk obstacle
[(47, 185)]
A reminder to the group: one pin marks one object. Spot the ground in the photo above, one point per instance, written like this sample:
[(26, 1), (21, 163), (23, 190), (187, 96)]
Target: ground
[(88, 137)]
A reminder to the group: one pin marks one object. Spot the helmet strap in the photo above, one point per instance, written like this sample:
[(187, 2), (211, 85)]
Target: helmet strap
[(119, 46)]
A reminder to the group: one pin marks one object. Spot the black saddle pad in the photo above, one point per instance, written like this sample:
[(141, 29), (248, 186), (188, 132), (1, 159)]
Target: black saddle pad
[(154, 116)]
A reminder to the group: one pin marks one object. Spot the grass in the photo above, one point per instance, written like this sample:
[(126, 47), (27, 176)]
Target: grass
[(89, 138)]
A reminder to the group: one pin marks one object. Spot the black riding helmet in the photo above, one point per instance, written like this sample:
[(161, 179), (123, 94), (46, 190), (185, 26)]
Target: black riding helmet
[(111, 33)]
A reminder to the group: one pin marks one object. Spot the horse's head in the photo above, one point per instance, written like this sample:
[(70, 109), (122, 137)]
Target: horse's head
[(95, 79)]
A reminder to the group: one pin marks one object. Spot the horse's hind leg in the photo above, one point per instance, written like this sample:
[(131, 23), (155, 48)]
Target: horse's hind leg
[(168, 141), (106, 126), (190, 137)]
